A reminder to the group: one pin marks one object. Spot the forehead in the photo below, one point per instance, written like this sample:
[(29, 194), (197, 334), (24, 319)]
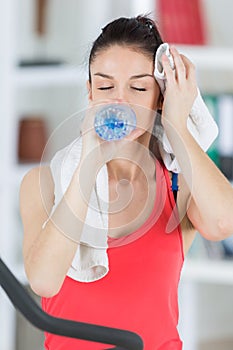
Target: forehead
[(122, 58)]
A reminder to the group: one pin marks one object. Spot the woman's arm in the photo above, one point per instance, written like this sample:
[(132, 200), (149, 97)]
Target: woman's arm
[(49, 251), (211, 205)]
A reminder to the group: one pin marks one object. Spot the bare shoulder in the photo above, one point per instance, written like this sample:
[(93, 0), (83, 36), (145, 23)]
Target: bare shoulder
[(36, 194), (37, 181), (36, 173)]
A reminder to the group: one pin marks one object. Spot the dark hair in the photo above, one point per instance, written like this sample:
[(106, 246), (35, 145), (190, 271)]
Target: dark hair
[(141, 34)]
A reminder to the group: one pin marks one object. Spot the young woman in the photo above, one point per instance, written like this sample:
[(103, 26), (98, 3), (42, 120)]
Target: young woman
[(139, 292)]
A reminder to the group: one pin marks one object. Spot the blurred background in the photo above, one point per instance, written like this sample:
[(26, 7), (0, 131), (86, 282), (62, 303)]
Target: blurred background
[(43, 69)]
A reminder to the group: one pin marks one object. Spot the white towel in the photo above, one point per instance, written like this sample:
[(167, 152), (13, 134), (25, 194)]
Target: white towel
[(200, 123), (91, 261)]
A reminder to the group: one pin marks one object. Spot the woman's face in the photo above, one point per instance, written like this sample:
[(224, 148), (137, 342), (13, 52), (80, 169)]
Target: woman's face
[(124, 75)]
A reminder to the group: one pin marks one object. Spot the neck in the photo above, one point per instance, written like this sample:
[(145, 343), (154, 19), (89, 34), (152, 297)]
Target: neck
[(132, 162)]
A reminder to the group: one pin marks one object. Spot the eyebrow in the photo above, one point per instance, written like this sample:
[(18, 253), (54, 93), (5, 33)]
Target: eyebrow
[(131, 78), (104, 75), (141, 76)]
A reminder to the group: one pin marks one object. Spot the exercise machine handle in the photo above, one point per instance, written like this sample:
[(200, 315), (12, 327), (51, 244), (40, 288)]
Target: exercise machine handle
[(21, 299)]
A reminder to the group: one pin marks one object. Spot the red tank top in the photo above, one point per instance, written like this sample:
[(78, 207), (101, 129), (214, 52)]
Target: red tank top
[(139, 293)]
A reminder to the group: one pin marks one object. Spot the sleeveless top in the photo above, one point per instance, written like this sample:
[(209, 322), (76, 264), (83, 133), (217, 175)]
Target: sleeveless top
[(140, 291)]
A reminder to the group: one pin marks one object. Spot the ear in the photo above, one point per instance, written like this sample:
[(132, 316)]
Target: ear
[(88, 84)]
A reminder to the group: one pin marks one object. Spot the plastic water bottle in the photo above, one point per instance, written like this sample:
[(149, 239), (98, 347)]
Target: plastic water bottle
[(114, 121)]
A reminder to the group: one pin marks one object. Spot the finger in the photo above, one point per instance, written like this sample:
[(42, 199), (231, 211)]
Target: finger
[(169, 72), (190, 67), (93, 107), (179, 65)]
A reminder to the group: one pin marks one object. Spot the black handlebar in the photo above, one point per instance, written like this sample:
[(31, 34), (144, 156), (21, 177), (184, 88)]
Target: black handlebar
[(124, 340)]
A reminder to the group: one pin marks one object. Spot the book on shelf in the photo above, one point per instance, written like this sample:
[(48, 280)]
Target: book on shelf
[(225, 143), (182, 21), (228, 246), (221, 151), (211, 102)]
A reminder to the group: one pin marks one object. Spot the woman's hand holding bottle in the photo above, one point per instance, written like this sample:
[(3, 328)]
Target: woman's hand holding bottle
[(106, 127)]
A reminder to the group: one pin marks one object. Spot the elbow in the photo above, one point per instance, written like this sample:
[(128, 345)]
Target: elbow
[(43, 288), (218, 230), (225, 227), (42, 281)]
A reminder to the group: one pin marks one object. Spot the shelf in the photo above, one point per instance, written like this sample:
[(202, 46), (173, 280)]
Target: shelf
[(218, 60), (204, 57), (209, 57), (214, 67), (208, 271), (58, 76)]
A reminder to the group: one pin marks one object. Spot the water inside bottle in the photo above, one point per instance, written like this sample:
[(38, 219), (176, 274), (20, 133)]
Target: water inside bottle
[(114, 121)]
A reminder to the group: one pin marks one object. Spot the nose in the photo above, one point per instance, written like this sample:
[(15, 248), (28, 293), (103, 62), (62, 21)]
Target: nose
[(120, 100), (120, 95)]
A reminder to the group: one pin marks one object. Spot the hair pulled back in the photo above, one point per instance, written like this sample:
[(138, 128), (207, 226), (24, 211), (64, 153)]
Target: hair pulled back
[(139, 32)]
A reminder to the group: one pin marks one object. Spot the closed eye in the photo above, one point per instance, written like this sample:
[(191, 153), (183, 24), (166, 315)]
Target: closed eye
[(105, 88), (138, 89)]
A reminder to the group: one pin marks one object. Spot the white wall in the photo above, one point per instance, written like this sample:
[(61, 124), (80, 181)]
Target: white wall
[(219, 17)]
